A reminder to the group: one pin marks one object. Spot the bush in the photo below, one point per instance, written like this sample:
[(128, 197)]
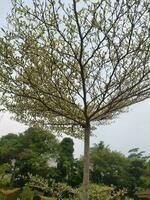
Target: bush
[(5, 177), (98, 192), (2, 197), (39, 183), (62, 191), (5, 180), (26, 194)]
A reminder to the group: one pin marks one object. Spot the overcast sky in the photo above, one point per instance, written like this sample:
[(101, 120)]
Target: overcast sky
[(129, 130)]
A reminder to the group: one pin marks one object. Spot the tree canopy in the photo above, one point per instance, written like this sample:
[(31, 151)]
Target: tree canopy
[(66, 64)]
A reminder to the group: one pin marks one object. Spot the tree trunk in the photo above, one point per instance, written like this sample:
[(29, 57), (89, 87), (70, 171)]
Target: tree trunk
[(86, 163)]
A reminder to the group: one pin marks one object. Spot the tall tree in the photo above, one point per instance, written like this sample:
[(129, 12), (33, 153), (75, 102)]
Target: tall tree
[(71, 66)]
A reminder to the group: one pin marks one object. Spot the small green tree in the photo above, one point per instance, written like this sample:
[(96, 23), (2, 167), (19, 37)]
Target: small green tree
[(71, 66)]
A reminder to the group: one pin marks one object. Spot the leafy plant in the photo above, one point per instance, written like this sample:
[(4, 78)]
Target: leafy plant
[(2, 197), (26, 194), (39, 183), (63, 191)]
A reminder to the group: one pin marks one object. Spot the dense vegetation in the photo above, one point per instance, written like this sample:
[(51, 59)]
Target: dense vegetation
[(35, 162)]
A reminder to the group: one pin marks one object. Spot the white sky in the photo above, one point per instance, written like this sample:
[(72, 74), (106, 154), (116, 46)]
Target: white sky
[(129, 130)]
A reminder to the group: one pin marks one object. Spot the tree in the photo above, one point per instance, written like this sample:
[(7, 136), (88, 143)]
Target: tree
[(112, 168), (109, 167), (8, 150), (28, 153), (65, 159), (74, 66), (138, 168), (69, 170), (145, 178)]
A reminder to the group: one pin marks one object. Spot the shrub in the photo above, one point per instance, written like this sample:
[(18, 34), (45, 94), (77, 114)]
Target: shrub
[(5, 177), (63, 191), (98, 192), (120, 194), (26, 194), (39, 183), (5, 180), (2, 197)]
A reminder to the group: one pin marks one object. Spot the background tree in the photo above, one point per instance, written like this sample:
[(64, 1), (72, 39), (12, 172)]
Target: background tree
[(138, 168), (69, 170), (72, 66), (109, 167), (8, 150), (28, 153), (145, 178), (65, 160), (113, 168)]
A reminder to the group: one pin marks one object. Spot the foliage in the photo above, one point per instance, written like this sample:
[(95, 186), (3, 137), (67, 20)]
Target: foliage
[(31, 152), (112, 168), (8, 149), (145, 177), (99, 58), (102, 192), (65, 160), (109, 167), (26, 194), (77, 173), (138, 170), (5, 180), (38, 183), (2, 197), (69, 170), (5, 174), (97, 192), (63, 191)]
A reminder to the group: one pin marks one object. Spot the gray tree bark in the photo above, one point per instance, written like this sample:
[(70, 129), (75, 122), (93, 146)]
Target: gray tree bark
[(86, 171)]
